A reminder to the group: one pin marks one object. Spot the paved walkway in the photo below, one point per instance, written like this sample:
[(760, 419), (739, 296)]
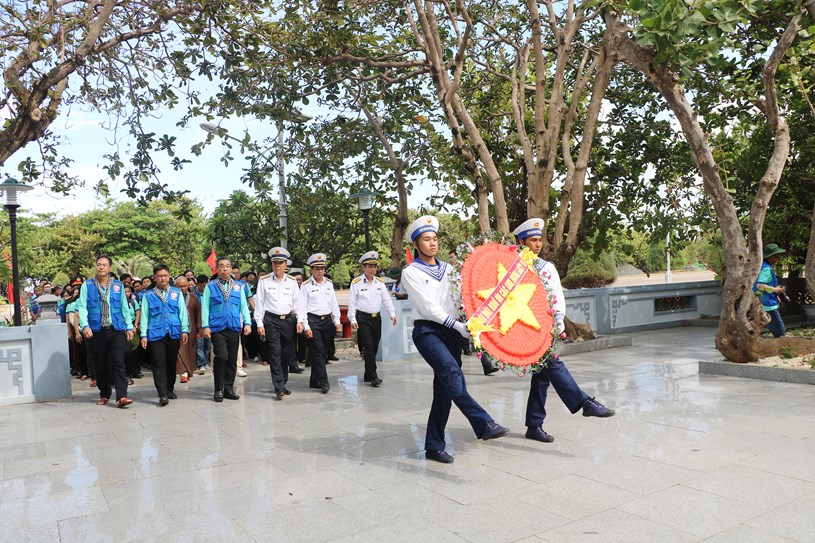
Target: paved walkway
[(687, 458)]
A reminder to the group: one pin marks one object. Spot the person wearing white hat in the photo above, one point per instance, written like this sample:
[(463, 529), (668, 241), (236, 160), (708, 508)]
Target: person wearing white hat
[(275, 306), (317, 311), (530, 234), (365, 301), (437, 336)]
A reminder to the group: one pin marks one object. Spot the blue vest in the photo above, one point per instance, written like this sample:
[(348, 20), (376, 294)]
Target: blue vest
[(768, 299), (115, 294), (224, 314), (163, 318)]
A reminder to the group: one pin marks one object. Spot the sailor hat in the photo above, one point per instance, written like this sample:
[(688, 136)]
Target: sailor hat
[(278, 254), (371, 257), (317, 260), (426, 223), (532, 227)]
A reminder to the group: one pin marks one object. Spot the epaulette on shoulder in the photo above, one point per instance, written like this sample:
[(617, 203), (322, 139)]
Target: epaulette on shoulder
[(379, 279), (329, 280), (356, 280), (264, 276), (291, 277), (309, 280)]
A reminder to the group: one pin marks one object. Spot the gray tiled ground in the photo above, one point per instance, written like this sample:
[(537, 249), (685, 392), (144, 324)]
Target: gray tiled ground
[(687, 458)]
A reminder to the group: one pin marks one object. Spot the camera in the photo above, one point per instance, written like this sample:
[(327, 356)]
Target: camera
[(784, 297)]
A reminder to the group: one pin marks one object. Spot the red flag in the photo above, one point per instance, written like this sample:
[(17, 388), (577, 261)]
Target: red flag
[(408, 254), (10, 289), (212, 260)]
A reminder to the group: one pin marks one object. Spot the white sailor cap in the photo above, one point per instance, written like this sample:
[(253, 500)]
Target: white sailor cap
[(532, 227), (426, 223), (278, 254), (316, 260), (371, 257)]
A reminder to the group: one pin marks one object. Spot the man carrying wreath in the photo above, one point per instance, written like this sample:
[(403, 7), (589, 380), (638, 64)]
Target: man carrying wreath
[(530, 235), (437, 336)]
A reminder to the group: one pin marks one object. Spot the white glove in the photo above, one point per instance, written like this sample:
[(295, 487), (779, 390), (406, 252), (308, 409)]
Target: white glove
[(461, 329), (559, 327)]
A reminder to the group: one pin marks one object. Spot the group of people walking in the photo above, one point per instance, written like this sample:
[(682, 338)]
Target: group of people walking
[(280, 310)]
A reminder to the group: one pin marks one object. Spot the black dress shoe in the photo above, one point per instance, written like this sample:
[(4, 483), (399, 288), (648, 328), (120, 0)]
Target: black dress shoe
[(376, 382), (162, 400), (538, 434), (489, 369), (287, 392), (229, 394), (493, 430), (279, 394), (219, 396), (298, 370), (333, 358), (171, 395), (324, 389), (439, 456)]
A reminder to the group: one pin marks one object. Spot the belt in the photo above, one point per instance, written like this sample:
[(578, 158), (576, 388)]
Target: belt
[(321, 317), (372, 315), (281, 317), (107, 327)]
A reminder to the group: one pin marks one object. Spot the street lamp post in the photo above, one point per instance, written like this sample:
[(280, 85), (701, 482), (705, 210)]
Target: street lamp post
[(11, 188), (366, 202), (294, 116)]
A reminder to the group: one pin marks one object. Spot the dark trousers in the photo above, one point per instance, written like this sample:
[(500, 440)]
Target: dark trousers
[(225, 346), (107, 349), (163, 356), (132, 365), (82, 356), (440, 346), (369, 334), (321, 329), (252, 342), (302, 348), (776, 324), (565, 386), (330, 346), (280, 333)]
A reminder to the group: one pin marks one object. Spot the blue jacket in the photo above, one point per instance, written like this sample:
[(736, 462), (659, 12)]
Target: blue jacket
[(115, 301), (767, 277), (163, 318), (218, 314)]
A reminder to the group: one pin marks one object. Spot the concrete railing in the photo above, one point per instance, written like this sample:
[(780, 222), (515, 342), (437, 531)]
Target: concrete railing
[(617, 310)]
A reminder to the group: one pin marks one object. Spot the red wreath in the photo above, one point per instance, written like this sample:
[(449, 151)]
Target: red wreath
[(523, 343)]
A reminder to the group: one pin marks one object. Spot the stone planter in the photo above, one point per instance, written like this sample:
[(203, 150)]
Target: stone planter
[(720, 366), (809, 311)]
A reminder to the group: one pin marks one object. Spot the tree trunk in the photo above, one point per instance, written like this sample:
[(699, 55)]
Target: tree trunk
[(809, 268), (742, 317)]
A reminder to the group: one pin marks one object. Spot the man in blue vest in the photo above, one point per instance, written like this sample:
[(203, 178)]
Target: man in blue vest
[(164, 322), (107, 326), (768, 289), (224, 313)]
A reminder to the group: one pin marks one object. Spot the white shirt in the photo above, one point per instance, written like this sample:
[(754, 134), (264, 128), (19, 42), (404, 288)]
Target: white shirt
[(428, 289), (368, 297), (277, 296), (550, 276), (317, 298)]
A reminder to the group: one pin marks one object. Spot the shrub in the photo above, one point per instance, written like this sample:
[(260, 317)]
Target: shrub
[(786, 352), (590, 271)]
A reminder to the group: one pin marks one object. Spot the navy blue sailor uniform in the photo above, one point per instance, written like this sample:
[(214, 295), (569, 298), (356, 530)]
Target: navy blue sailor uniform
[(432, 310)]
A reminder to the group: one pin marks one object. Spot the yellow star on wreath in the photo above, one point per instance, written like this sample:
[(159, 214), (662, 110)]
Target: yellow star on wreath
[(516, 307)]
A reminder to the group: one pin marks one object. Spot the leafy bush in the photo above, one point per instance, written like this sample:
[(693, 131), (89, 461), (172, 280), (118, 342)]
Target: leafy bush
[(590, 271), (786, 352)]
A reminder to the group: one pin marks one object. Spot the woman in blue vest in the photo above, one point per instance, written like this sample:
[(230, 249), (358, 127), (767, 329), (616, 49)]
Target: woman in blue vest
[(224, 313), (164, 322), (104, 318)]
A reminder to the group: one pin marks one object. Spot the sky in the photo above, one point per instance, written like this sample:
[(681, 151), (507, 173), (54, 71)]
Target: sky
[(207, 178)]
